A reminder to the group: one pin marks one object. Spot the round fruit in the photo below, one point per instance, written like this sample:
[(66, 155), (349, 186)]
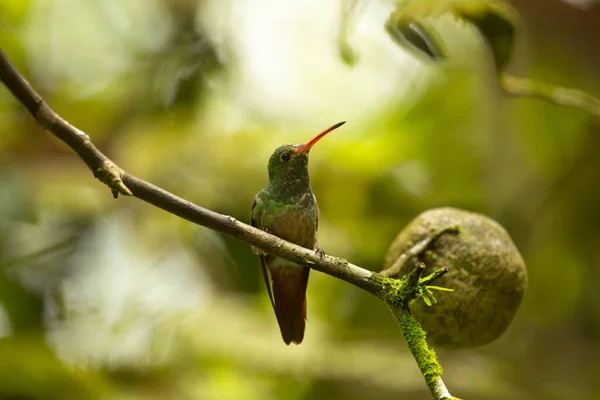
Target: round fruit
[(486, 271)]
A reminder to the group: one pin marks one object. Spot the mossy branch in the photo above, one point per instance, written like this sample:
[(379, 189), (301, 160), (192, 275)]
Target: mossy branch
[(399, 294), (426, 358), (395, 292)]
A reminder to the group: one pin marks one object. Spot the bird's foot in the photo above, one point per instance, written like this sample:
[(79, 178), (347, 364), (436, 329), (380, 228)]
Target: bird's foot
[(320, 252), (258, 251)]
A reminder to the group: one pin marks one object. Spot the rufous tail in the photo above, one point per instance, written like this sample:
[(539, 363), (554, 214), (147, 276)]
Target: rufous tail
[(289, 295)]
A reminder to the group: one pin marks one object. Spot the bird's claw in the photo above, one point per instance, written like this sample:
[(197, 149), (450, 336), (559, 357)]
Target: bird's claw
[(258, 251), (320, 252)]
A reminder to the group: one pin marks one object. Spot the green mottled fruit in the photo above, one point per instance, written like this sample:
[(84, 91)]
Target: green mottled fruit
[(486, 271)]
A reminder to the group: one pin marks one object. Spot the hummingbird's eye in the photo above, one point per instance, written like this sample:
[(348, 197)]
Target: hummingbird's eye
[(286, 156)]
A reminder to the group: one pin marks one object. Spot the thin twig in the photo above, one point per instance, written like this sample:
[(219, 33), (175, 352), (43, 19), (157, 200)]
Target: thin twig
[(413, 277), (433, 276), (522, 87), (102, 167), (414, 251)]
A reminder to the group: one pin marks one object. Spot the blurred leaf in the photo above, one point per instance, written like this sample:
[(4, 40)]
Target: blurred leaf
[(417, 35), (345, 50), (495, 20), (347, 53)]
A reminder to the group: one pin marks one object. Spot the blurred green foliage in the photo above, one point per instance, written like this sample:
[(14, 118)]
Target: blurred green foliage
[(117, 299), (496, 21)]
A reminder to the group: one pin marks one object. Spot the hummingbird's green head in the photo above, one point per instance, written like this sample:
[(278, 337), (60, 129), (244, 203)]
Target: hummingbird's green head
[(289, 163)]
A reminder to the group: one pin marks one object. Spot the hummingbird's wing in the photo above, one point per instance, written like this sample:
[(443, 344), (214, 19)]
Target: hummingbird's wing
[(256, 220), (316, 205), (265, 272)]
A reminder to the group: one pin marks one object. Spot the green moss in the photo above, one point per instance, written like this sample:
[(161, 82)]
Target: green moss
[(397, 291), (400, 292), (416, 338)]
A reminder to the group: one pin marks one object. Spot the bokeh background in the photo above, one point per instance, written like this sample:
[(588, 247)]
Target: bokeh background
[(119, 300)]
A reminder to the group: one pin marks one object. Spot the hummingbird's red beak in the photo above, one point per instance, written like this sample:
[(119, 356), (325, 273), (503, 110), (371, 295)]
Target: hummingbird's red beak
[(306, 146)]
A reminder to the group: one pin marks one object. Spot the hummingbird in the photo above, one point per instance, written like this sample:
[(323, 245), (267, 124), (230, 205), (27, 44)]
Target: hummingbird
[(287, 208)]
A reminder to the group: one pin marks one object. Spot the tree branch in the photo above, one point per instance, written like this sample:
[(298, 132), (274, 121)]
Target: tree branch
[(522, 87), (395, 292), (122, 182), (400, 294), (414, 251), (426, 359), (433, 276)]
